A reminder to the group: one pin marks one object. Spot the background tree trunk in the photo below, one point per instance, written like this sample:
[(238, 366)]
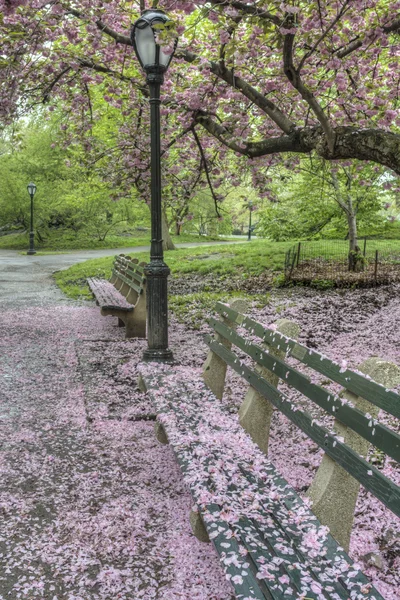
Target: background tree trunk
[(168, 244), (355, 259)]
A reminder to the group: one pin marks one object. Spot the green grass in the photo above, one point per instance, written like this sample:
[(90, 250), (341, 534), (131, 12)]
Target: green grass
[(243, 259), (240, 260), (67, 240)]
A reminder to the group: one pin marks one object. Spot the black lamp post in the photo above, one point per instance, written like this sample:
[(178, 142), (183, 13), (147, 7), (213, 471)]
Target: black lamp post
[(155, 63), (31, 190), (250, 205)]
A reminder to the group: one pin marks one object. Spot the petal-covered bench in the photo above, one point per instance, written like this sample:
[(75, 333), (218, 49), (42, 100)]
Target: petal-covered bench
[(270, 543)]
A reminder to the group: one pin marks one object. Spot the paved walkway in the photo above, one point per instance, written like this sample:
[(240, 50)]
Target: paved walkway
[(24, 280), (91, 506)]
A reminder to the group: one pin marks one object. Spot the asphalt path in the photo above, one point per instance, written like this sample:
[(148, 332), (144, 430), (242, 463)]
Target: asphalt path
[(26, 280)]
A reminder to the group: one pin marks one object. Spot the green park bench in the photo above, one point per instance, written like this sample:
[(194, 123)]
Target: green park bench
[(124, 295), (270, 543)]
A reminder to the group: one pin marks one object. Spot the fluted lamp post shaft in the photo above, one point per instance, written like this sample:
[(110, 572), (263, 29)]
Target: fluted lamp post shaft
[(31, 191), (155, 61)]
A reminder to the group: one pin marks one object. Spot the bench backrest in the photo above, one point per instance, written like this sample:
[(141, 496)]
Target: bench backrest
[(129, 272), (342, 408)]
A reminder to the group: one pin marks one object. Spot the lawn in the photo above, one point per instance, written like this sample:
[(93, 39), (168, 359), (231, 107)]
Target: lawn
[(239, 259), (67, 240)]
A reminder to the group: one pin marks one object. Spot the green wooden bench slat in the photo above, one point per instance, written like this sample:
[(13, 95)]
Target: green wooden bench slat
[(259, 553), (136, 272), (331, 549), (354, 382), (131, 284), (292, 568), (378, 434), (250, 584), (374, 481), (256, 585)]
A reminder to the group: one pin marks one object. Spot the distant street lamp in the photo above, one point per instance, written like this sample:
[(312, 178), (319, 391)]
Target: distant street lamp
[(32, 191), (250, 207), (155, 63)]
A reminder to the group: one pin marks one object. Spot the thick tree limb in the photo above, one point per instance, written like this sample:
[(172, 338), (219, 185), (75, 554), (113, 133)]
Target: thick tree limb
[(376, 145), (286, 143)]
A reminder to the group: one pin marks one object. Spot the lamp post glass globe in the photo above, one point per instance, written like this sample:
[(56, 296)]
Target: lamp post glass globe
[(152, 56), (31, 191), (155, 61)]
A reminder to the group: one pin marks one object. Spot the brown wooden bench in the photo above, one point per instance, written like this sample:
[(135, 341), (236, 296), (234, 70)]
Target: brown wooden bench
[(271, 545), (124, 295)]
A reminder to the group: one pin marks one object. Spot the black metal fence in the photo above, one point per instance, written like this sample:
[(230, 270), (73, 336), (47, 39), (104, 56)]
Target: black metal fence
[(328, 261)]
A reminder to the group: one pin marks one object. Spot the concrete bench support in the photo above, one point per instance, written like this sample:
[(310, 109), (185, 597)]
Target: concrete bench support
[(256, 411), (334, 491), (214, 370)]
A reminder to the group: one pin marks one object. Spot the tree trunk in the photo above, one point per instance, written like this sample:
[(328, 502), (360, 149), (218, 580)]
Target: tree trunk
[(168, 244), (356, 262), (177, 228)]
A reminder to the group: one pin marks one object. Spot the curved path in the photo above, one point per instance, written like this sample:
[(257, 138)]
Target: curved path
[(25, 280)]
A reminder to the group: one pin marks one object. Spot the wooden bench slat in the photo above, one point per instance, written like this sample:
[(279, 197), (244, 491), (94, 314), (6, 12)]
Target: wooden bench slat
[(378, 434), (136, 274), (370, 477), (107, 296), (354, 382), (132, 284), (291, 502)]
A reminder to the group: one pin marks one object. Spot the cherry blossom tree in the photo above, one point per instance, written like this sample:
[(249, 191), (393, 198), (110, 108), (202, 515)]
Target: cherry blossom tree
[(258, 78)]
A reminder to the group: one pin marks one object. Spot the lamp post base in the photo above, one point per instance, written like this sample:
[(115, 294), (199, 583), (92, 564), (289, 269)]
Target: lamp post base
[(157, 311), (163, 355), (31, 239)]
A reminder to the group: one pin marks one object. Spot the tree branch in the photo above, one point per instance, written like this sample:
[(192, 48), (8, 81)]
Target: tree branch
[(206, 170), (90, 64), (294, 78), (342, 11), (357, 43), (119, 38), (248, 10), (268, 107)]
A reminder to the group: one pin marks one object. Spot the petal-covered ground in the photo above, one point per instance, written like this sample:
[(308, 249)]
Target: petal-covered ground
[(92, 507)]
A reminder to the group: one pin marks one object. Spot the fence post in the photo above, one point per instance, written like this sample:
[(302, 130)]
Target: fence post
[(365, 246), (298, 254), (376, 265), (293, 263)]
